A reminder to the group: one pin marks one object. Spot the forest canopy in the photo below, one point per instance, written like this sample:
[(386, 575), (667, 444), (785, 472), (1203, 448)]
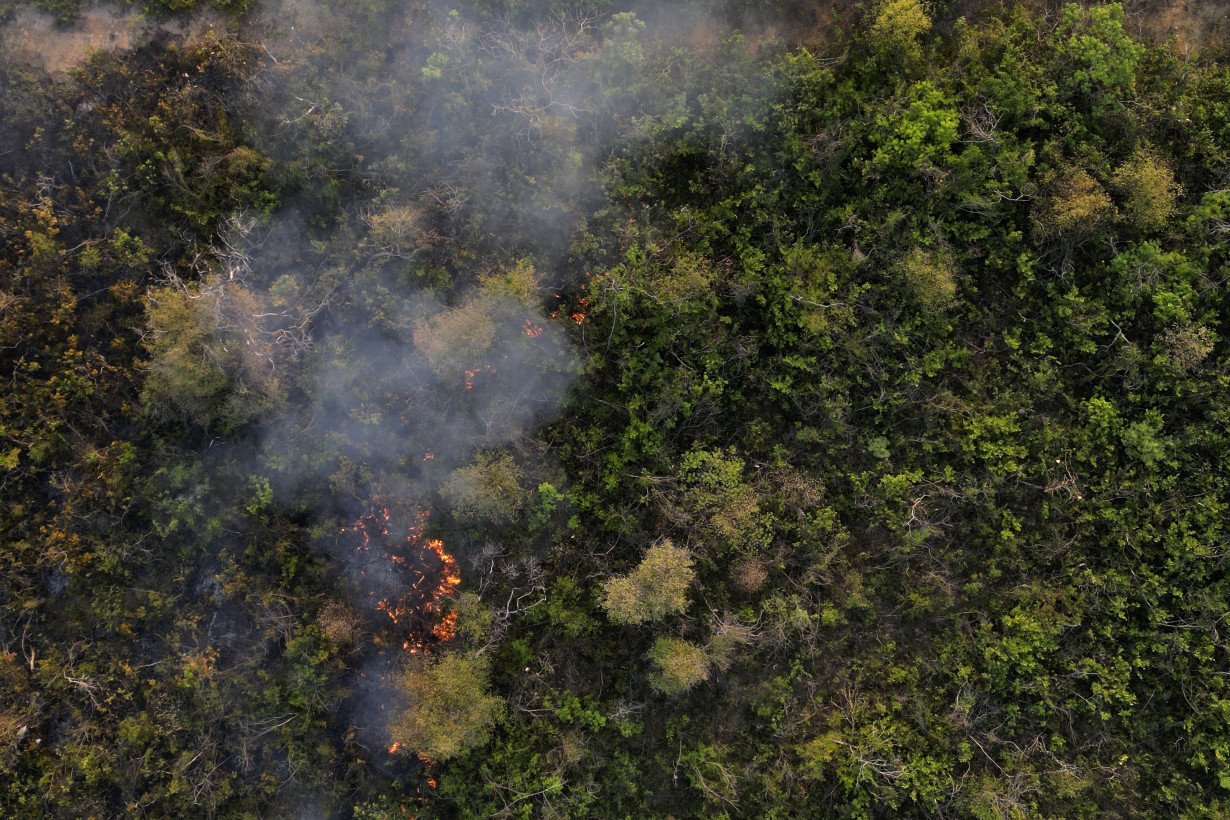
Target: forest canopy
[(599, 409)]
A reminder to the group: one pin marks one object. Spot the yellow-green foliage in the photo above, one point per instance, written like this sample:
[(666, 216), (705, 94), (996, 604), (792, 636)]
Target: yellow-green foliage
[(185, 369), (656, 588), (1149, 191), (450, 709), (489, 489), (917, 135), (689, 277), (814, 273), (678, 665), (898, 25), (931, 277), (1076, 202), (210, 361), (474, 618), (460, 338), (718, 495), (519, 283), (456, 339)]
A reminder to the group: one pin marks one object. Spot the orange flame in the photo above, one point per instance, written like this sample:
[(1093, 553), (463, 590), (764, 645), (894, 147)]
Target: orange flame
[(431, 573)]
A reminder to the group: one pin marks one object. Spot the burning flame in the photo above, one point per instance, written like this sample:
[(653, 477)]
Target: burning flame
[(446, 628), (579, 312), (430, 572)]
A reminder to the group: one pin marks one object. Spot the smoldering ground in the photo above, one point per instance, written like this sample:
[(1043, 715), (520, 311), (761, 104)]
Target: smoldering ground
[(500, 130), (371, 416), (35, 37), (383, 308)]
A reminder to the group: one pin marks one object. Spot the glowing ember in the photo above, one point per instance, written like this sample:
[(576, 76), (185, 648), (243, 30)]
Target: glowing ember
[(470, 374), (429, 455), (395, 748), (532, 330), (579, 318)]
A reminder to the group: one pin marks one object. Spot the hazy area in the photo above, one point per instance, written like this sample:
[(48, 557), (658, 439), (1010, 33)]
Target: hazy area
[(36, 37)]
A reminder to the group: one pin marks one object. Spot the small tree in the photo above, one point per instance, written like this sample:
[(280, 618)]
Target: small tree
[(474, 619), (516, 286), (211, 360), (1100, 58), (918, 136), (656, 588), (679, 665), (456, 338), (340, 624), (749, 573), (186, 372), (398, 232), (717, 494), (1189, 345), (450, 710), (686, 283)]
